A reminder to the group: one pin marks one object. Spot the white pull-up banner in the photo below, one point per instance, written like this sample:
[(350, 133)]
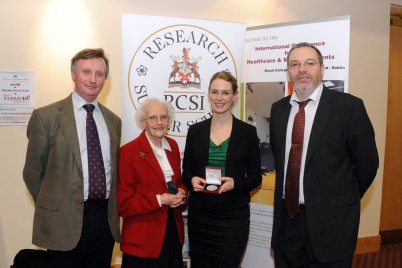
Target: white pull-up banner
[(173, 59)]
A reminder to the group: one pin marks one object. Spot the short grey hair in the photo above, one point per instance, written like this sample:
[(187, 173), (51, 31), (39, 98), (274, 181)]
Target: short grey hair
[(143, 109), (305, 44)]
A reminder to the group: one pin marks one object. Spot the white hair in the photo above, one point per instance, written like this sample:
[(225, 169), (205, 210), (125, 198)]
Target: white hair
[(143, 109)]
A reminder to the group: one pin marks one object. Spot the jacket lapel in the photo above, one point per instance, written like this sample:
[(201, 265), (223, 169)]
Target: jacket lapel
[(150, 157), (322, 116), (68, 126), (172, 160), (282, 126), (204, 139), (235, 135)]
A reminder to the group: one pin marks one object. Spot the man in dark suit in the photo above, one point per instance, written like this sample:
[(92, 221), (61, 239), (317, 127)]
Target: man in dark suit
[(77, 228), (338, 162)]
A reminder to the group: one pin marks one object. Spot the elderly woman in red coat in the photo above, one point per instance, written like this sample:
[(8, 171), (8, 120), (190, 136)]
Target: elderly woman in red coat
[(150, 192)]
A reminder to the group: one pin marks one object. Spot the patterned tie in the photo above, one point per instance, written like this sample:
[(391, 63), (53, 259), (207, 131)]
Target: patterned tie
[(96, 168), (293, 171)]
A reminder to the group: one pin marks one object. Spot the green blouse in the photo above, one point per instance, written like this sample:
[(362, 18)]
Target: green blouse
[(217, 154)]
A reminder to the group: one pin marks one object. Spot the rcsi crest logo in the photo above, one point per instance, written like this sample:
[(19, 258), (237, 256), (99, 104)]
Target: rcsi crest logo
[(185, 68), (175, 64)]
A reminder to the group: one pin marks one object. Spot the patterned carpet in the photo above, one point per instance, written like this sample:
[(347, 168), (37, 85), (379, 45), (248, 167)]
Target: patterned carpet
[(388, 257)]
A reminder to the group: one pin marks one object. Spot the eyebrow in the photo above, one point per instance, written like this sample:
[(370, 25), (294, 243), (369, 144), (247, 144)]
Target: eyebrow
[(304, 60), (221, 89)]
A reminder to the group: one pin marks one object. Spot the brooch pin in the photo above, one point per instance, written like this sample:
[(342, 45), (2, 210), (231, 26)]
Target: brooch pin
[(143, 154)]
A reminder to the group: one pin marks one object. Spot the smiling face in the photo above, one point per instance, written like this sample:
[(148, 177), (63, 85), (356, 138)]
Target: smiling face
[(156, 121), (221, 96), (89, 77), (305, 71)]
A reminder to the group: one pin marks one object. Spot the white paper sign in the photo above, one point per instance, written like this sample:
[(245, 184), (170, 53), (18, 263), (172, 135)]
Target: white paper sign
[(17, 97)]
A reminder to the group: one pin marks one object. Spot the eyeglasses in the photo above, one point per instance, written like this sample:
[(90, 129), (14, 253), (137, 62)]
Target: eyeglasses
[(154, 118), (224, 93), (297, 64)]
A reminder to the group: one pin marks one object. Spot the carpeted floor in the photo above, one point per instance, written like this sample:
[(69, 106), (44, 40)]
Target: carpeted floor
[(388, 257)]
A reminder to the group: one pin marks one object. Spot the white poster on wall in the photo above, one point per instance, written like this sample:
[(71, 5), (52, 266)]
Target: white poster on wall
[(265, 81), (173, 59), (17, 97)]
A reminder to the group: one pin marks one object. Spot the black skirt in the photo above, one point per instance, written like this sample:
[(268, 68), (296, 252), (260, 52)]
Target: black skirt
[(217, 238), (171, 252)]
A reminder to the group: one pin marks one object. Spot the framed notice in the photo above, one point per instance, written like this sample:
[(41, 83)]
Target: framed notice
[(17, 97)]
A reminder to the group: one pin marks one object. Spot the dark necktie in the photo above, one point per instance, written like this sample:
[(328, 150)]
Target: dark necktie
[(96, 168), (294, 162)]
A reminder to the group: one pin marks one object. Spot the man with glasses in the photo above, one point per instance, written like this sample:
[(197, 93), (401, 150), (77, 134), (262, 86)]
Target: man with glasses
[(325, 160)]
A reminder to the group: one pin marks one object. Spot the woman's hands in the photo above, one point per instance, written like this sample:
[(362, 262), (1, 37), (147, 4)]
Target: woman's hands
[(227, 184), (174, 200), (198, 183)]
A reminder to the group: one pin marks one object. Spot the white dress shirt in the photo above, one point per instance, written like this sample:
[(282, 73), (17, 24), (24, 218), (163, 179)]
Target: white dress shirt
[(163, 161), (310, 111)]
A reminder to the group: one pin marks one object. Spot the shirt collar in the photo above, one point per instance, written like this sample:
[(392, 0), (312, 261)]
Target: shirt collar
[(78, 102), (315, 96), (165, 144)]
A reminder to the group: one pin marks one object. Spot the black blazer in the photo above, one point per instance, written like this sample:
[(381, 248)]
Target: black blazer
[(341, 163), (243, 164)]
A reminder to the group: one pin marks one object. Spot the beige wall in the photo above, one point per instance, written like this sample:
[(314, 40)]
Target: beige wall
[(43, 35)]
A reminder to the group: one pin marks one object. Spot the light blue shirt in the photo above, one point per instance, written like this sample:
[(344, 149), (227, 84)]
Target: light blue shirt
[(80, 119)]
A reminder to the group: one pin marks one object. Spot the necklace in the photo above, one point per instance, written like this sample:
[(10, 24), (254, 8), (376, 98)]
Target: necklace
[(221, 128)]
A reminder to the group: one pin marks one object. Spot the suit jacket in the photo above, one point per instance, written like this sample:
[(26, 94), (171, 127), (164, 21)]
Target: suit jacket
[(54, 177), (243, 164), (140, 180), (341, 163)]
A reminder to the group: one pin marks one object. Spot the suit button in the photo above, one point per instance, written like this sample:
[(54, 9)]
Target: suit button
[(80, 201)]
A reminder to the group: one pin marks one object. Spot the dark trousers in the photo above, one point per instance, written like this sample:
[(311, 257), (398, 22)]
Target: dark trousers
[(294, 248), (94, 250)]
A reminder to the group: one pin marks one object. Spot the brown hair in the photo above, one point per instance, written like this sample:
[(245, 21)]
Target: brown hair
[(90, 53), (224, 75)]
